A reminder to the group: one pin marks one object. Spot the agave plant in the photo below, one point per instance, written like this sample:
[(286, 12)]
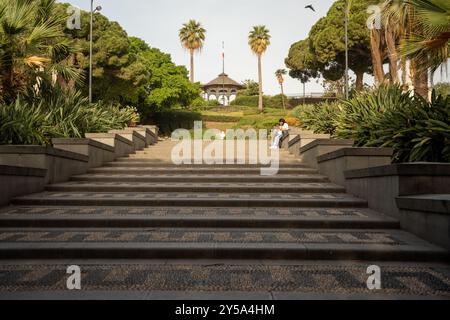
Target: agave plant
[(319, 118)]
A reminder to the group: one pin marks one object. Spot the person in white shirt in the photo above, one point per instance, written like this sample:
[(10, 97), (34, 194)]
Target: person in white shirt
[(278, 133)]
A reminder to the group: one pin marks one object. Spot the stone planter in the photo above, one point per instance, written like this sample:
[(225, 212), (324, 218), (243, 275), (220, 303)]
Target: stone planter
[(318, 147), (60, 164), (154, 130), (19, 181), (98, 153), (122, 147), (333, 164), (302, 138)]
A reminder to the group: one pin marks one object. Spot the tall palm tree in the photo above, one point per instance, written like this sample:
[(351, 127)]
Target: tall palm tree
[(259, 41), (280, 73), (192, 36)]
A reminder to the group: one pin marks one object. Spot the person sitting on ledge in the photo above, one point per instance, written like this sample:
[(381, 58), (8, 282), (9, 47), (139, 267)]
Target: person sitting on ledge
[(279, 132)]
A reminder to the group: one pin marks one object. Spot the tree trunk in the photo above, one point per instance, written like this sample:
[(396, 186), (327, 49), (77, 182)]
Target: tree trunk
[(260, 100), (282, 96), (404, 74), (192, 65), (359, 81), (392, 50), (377, 61), (420, 79)]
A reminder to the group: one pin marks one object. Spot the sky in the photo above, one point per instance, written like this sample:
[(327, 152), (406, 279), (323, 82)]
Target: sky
[(158, 22)]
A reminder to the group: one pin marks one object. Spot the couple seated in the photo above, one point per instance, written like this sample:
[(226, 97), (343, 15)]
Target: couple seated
[(279, 133)]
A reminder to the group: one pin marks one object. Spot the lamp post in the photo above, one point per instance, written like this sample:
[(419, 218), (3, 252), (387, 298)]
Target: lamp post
[(346, 48), (97, 9)]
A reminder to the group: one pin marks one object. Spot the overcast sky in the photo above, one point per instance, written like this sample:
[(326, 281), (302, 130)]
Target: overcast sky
[(158, 23)]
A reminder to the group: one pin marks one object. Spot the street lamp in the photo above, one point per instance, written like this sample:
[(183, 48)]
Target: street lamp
[(346, 46), (346, 49), (97, 9)]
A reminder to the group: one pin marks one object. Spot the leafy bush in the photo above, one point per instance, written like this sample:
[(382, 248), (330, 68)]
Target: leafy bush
[(35, 119), (20, 124), (220, 118), (419, 131), (319, 118), (361, 114), (169, 121)]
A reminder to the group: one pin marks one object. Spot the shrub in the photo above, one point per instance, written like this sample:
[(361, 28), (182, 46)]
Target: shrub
[(419, 131), (220, 118), (318, 118), (35, 119), (360, 115), (169, 121), (293, 122)]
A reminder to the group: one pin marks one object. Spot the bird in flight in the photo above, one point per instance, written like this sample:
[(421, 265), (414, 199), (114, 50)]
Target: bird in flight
[(310, 7)]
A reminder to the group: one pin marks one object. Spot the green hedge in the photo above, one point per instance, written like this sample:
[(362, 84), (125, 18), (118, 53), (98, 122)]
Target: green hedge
[(169, 121), (268, 102), (220, 118)]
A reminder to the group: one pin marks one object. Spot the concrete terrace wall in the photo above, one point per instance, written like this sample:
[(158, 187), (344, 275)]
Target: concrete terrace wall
[(122, 146), (131, 134), (98, 153), (334, 164), (60, 164), (18, 181), (318, 147)]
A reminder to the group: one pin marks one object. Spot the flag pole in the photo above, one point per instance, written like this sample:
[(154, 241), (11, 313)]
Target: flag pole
[(223, 71)]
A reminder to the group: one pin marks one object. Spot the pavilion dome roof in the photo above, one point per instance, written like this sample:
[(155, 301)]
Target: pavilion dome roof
[(223, 79)]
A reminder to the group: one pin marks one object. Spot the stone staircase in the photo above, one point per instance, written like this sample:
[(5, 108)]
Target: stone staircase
[(144, 224)]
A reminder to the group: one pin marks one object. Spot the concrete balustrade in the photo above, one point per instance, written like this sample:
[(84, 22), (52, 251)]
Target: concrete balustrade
[(303, 138), (139, 141), (333, 164), (417, 194), (154, 131), (98, 153), (310, 152), (18, 181), (60, 165), (122, 146)]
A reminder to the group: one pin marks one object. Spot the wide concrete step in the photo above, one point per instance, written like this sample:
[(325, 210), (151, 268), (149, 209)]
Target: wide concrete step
[(185, 243), (221, 279), (249, 187), (199, 178), (191, 217), (334, 200), (201, 170), (159, 164)]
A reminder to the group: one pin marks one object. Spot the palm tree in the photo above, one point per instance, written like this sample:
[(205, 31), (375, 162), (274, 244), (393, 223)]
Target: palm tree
[(192, 37), (31, 49), (259, 40), (280, 73), (432, 45)]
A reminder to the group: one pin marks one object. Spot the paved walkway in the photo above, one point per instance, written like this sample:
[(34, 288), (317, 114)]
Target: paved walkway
[(143, 228)]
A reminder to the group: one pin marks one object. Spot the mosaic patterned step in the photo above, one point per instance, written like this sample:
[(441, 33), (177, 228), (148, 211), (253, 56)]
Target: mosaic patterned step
[(248, 187), (227, 280), (215, 243), (151, 217), (201, 170), (199, 178), (317, 200)]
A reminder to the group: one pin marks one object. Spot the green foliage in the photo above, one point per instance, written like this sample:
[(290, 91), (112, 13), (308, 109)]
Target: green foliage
[(319, 118), (258, 122), (418, 132), (252, 101), (358, 121), (416, 129), (323, 52), (35, 119), (170, 120), (20, 124), (251, 88), (220, 118)]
